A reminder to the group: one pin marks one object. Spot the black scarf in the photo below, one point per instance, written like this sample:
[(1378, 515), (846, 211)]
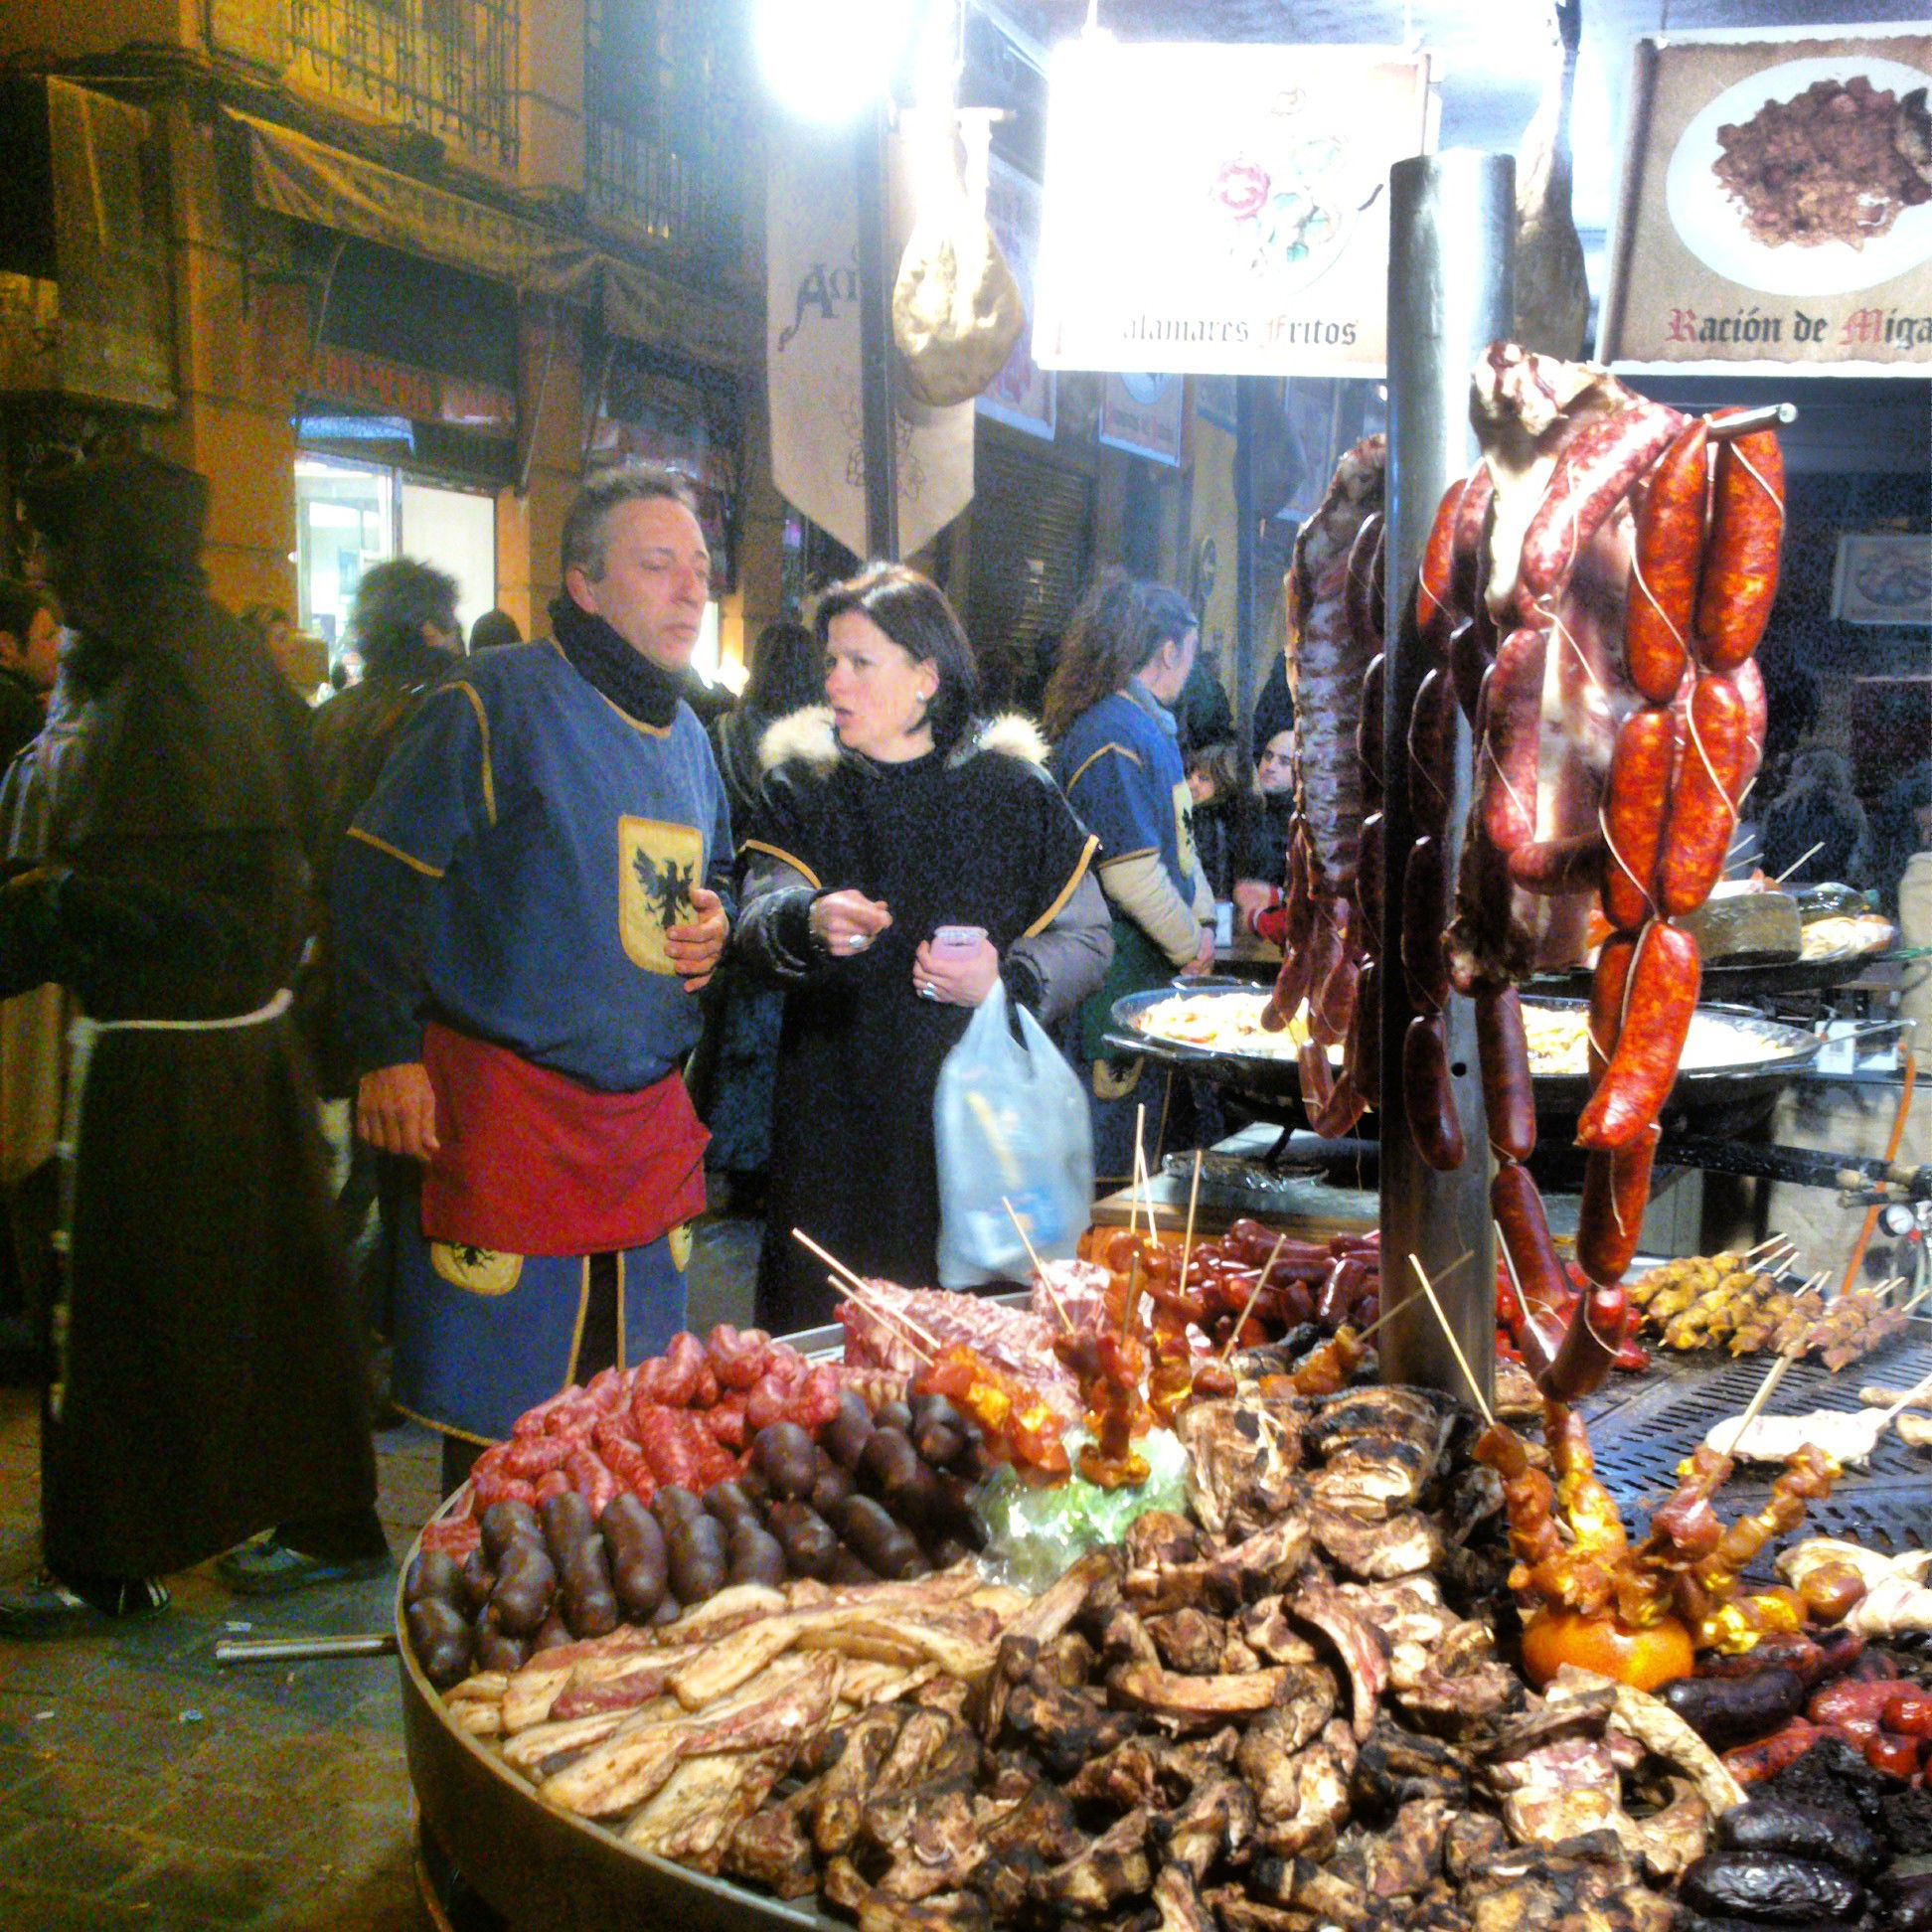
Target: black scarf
[(637, 686)]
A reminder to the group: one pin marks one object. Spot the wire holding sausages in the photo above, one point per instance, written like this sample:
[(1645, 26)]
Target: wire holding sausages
[(1740, 574), (1665, 569)]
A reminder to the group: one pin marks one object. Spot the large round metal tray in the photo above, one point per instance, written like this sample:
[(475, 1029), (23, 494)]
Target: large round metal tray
[(1275, 1084)]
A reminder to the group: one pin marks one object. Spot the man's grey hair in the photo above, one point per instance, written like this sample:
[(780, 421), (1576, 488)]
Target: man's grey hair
[(586, 521)]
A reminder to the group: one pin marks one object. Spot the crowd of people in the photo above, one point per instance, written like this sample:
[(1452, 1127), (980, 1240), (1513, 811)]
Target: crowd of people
[(547, 919)]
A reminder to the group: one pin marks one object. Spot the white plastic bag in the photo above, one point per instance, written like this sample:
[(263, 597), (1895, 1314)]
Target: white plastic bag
[(1011, 1124)]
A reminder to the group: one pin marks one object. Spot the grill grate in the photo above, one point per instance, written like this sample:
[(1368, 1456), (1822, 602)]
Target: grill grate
[(1641, 1433)]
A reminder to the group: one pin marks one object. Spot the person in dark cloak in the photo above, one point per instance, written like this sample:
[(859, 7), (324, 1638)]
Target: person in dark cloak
[(896, 812), (203, 1380)]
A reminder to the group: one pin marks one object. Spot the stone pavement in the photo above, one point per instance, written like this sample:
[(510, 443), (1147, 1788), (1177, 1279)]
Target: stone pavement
[(144, 1786)]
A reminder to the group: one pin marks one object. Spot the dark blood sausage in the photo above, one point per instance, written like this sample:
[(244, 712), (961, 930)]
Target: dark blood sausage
[(1364, 1055), (1636, 800), (1368, 878), (1429, 1097), (1734, 1710), (1616, 1191), (1659, 1000), (1432, 750), (1663, 569), (1425, 914), (1503, 1052), (1740, 570), (1703, 809), (635, 1546), (1512, 709), (1553, 866), (1369, 725), (1594, 470), (1606, 1000), (1519, 1219), (1472, 650), (1839, 1837), (440, 1639), (1361, 589), (1771, 1886)]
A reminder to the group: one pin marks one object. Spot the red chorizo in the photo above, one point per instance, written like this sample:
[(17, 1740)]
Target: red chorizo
[(1503, 1052), (1435, 611), (1535, 1264), (1430, 1095), (1595, 468), (1660, 996), (1470, 545), (1703, 811), (1607, 999), (1635, 799), (1512, 736), (1552, 867), (1425, 913), (1663, 569), (1616, 1191), (1740, 573), (1589, 1346)]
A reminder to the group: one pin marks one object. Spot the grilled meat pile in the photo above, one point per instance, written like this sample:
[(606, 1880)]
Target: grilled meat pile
[(1285, 1713)]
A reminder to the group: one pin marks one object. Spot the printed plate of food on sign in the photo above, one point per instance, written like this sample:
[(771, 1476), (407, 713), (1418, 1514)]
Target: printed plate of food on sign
[(1810, 178)]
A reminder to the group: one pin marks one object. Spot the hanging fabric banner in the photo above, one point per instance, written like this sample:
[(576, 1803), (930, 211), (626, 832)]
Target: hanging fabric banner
[(1777, 205), (1221, 210), (812, 363)]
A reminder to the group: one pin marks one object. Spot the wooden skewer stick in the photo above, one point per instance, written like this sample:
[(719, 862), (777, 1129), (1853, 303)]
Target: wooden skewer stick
[(1454, 1347), (1770, 1241), (1912, 1395), (857, 1287), (890, 1319), (1393, 1308), (1261, 1281), (1796, 863), (1186, 1241), (1139, 1168), (1758, 1400), (1038, 1266)]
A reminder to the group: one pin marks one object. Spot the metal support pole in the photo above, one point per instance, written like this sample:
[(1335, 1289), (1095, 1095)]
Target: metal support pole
[(875, 269), (1452, 230), (1247, 536)]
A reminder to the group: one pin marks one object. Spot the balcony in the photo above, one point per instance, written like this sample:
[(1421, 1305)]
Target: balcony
[(445, 67), (669, 136)]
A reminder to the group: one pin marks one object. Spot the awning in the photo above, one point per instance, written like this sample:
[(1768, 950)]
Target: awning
[(295, 174)]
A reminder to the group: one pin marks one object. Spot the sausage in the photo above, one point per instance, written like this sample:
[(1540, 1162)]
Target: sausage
[(1431, 750), (1362, 588), (1907, 1901), (1435, 610), (1856, 1701), (1752, 1763), (1733, 1711), (1771, 1886), (894, 1471), (806, 1538), (1704, 810), (1839, 1837), (1616, 1191), (505, 1522), (588, 1596), (1368, 724), (1368, 878), (1425, 914), (1503, 1052), (1590, 1345), (1606, 1000), (1471, 541), (1740, 566), (1635, 799), (434, 1573), (1552, 868), (700, 1556), (756, 1556), (635, 1546), (1594, 468), (1362, 1055), (526, 1587), (787, 1457), (1511, 708), (440, 1639), (938, 1429), (882, 1545), (1428, 1097), (1524, 1228), (1660, 996), (1664, 565), (846, 1433), (1472, 650), (834, 1485), (567, 1520)]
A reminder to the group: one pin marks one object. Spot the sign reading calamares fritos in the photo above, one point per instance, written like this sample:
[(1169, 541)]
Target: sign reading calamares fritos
[(1221, 208)]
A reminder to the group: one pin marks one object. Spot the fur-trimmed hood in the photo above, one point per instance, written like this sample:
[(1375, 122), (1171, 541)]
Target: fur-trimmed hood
[(808, 735)]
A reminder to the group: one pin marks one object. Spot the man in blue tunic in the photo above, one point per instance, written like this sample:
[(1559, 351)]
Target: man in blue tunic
[(526, 907)]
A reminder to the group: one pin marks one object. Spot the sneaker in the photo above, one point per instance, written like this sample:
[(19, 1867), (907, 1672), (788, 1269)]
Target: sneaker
[(50, 1608), (270, 1567)]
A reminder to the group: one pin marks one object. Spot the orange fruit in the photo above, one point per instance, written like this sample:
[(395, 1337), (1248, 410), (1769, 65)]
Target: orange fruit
[(1642, 1659)]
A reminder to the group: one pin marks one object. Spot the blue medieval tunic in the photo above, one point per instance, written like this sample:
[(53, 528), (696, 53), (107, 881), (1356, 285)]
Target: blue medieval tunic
[(508, 883)]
